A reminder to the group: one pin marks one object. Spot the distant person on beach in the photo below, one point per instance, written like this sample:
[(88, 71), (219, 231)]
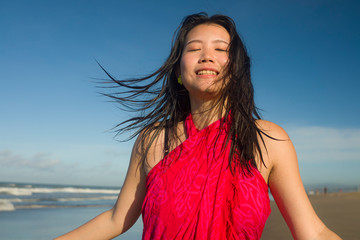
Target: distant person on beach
[(204, 160)]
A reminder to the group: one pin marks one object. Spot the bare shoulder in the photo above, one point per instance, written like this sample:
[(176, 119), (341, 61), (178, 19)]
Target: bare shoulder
[(272, 130), (275, 138), (274, 143), (156, 142)]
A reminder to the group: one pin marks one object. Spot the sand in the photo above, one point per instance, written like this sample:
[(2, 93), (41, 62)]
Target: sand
[(339, 211)]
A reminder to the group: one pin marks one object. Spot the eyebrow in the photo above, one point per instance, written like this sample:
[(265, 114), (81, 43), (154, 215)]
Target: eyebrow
[(199, 41)]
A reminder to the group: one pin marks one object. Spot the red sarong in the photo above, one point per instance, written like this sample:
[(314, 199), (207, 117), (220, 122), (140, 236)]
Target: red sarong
[(192, 194)]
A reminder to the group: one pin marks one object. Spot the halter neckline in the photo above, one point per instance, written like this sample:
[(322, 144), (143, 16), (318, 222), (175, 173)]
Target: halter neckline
[(191, 129)]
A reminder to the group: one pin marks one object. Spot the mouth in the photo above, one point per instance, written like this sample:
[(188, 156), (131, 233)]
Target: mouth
[(207, 72)]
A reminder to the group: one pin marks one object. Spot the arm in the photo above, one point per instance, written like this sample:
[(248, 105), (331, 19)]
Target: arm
[(287, 188), (125, 212)]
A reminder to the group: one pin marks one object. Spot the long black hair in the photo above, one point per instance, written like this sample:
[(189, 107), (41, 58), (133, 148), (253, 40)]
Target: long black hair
[(163, 103)]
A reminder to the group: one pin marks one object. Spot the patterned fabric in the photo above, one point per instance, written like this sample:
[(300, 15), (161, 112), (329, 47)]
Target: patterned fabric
[(191, 193)]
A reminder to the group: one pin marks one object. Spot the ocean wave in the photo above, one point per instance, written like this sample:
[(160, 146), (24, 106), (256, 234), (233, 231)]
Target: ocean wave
[(33, 196), (36, 206), (15, 191), (86, 199), (47, 199), (28, 191), (6, 205)]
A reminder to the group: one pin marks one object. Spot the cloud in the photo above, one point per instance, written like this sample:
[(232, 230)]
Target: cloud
[(41, 161), (315, 143)]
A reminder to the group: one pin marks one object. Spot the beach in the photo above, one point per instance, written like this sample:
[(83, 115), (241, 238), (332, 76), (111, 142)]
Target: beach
[(339, 211), (31, 211)]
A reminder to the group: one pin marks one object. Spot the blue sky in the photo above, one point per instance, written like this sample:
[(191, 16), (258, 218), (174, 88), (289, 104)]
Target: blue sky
[(55, 127)]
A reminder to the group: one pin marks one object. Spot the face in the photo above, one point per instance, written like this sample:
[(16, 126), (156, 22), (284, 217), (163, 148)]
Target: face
[(204, 59)]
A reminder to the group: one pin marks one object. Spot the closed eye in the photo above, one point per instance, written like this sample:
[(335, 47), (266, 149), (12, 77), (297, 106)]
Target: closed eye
[(193, 50), (221, 50)]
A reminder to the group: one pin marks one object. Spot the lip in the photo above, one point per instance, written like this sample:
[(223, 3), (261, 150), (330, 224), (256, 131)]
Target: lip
[(207, 69)]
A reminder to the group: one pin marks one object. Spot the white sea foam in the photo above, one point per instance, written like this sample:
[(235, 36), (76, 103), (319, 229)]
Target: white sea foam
[(6, 205), (13, 199), (16, 191), (86, 199), (36, 206)]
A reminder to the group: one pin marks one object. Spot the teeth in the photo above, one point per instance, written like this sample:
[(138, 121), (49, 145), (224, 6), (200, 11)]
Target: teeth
[(206, 72)]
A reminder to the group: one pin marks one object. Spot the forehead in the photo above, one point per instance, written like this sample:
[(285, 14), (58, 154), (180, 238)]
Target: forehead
[(208, 32)]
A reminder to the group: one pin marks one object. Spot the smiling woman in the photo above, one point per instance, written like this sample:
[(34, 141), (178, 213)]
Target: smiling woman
[(204, 160)]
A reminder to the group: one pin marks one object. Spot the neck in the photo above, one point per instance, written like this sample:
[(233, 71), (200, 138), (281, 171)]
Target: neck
[(206, 112)]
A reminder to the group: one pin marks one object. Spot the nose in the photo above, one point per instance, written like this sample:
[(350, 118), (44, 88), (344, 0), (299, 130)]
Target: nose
[(206, 56)]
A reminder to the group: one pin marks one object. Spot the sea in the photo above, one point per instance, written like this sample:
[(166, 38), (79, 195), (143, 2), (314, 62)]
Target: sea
[(44, 211)]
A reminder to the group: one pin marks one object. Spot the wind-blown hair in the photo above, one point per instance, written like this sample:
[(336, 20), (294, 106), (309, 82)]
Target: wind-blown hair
[(164, 103)]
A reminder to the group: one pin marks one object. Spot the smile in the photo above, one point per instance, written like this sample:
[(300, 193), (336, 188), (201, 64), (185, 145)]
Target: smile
[(206, 72)]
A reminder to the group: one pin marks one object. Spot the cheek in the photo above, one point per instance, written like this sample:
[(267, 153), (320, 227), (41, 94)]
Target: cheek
[(186, 64), (182, 67), (224, 60)]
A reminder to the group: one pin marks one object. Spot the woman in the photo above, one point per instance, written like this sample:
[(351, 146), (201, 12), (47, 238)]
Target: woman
[(203, 160)]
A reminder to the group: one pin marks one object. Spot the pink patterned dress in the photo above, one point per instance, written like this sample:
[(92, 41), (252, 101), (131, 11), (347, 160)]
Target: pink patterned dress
[(191, 193)]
